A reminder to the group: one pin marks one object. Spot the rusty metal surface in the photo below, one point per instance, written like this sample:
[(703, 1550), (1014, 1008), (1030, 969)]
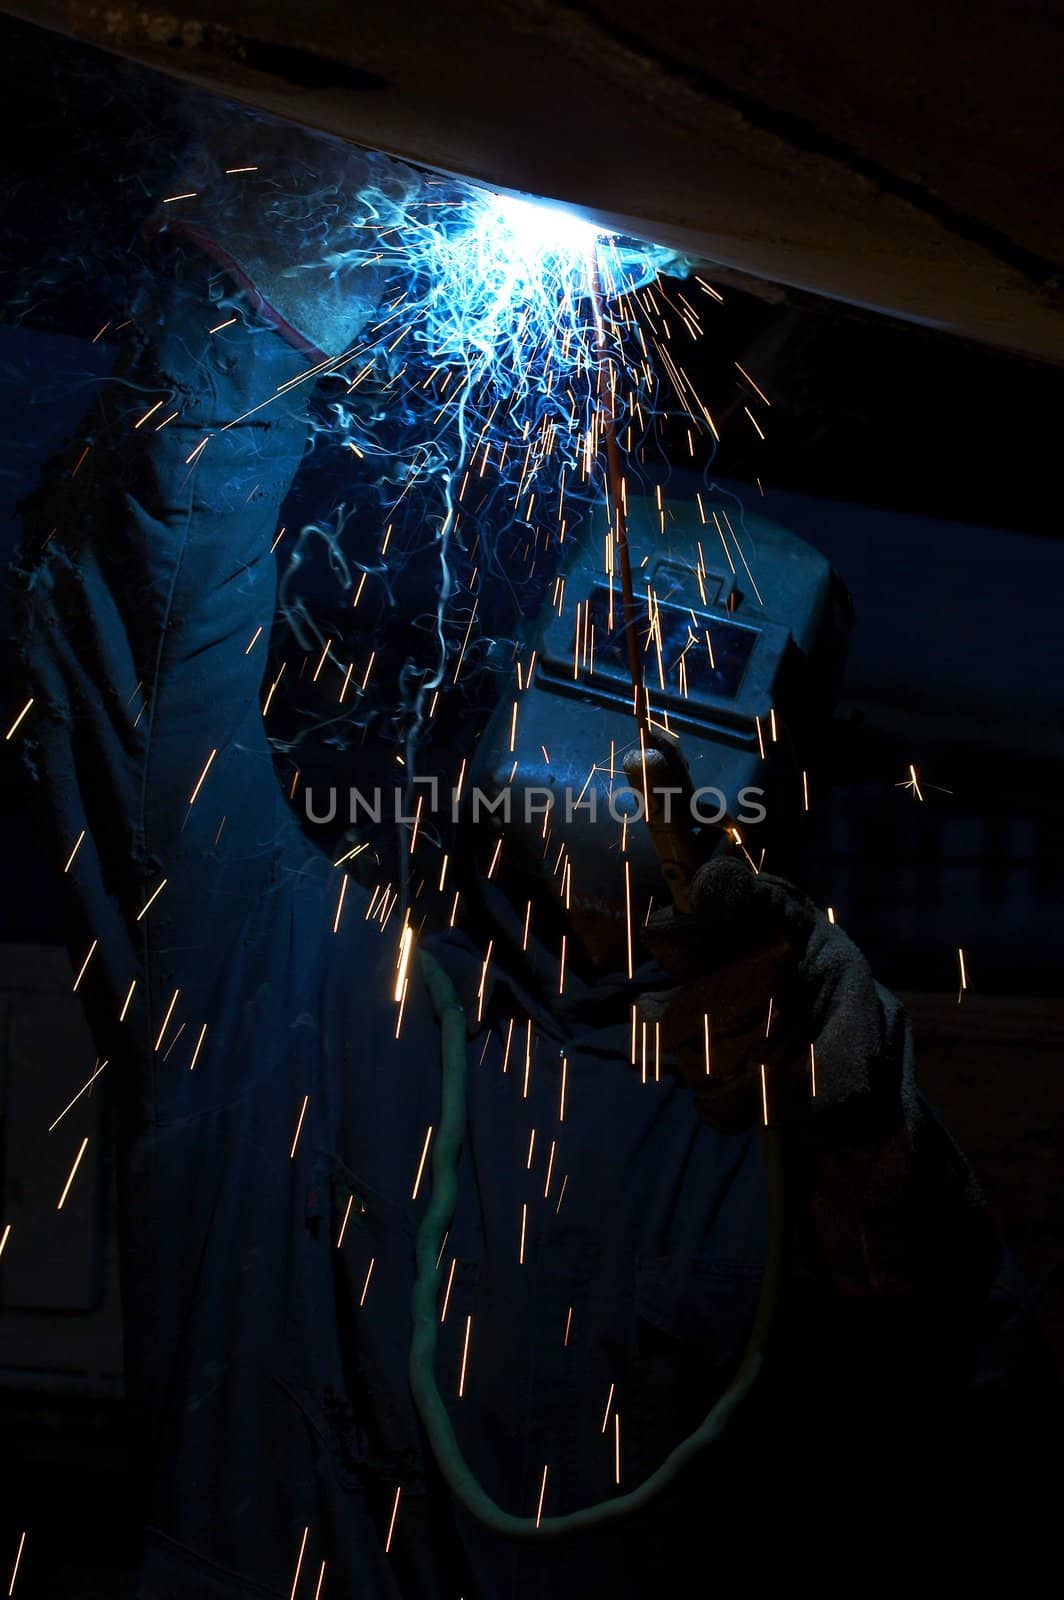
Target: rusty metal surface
[(907, 160)]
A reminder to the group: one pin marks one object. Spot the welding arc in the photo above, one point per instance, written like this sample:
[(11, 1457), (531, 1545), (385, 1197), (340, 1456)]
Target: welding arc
[(432, 1232), (615, 483)]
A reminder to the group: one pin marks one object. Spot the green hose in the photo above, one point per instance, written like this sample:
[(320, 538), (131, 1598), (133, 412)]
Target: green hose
[(429, 1248)]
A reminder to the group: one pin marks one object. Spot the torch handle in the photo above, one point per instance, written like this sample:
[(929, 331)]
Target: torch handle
[(615, 479)]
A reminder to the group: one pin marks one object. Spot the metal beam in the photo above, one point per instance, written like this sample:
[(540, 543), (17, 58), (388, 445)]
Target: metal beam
[(896, 161)]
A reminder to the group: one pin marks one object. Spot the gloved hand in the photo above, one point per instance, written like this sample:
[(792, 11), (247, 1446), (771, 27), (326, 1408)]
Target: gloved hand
[(766, 980), (736, 954), (785, 989), (295, 220)]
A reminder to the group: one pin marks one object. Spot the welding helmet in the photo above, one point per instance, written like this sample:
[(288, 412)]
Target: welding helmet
[(742, 636)]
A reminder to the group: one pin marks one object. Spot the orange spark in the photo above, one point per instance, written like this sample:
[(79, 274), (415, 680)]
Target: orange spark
[(421, 1163), (73, 1173), (465, 1357), (542, 1497), (391, 1525), (299, 1127), (19, 718), (299, 1564), (151, 900), (85, 963)]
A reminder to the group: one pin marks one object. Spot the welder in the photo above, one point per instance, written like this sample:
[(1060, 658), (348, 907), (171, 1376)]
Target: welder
[(602, 1256)]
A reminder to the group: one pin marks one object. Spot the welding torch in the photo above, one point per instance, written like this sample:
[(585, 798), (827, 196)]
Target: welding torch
[(657, 769)]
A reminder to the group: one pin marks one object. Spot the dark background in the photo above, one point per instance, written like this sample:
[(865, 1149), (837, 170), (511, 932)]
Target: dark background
[(925, 468)]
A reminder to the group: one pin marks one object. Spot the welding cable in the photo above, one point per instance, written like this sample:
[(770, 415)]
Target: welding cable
[(456, 1471)]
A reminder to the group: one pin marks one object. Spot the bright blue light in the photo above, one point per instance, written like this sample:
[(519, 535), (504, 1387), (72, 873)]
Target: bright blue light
[(507, 279), (503, 289), (532, 229)]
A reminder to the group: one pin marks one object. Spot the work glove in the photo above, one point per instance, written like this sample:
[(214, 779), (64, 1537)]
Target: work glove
[(775, 1009), (736, 953), (298, 222)]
